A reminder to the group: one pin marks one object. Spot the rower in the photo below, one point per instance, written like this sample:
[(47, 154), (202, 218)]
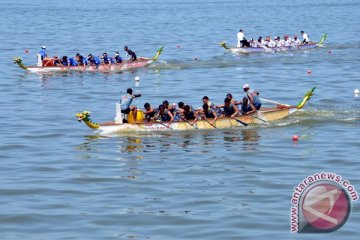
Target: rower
[(149, 112), (190, 114), (117, 58), (229, 109), (296, 41), (269, 42), (130, 53), (106, 59), (246, 107), (168, 107), (253, 43), (56, 61), (65, 61), (125, 104), (253, 96), (287, 41), (306, 38), (212, 106), (208, 112), (72, 62), (93, 60), (279, 42), (164, 115), (260, 42)]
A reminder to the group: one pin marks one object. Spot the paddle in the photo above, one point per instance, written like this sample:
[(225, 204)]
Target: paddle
[(241, 122), (190, 124), (158, 121), (271, 101), (209, 123), (258, 118)]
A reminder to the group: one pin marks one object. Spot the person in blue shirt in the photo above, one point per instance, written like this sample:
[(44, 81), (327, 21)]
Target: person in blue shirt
[(125, 103), (253, 96), (64, 61), (130, 53), (72, 62), (43, 53), (93, 60), (106, 59), (117, 58)]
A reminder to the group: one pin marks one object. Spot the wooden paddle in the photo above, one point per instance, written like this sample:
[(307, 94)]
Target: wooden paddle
[(241, 122), (209, 123)]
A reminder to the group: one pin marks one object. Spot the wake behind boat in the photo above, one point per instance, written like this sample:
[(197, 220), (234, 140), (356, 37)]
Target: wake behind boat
[(278, 112), (248, 50), (115, 67)]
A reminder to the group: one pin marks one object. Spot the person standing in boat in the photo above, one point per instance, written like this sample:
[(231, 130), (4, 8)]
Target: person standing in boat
[(306, 38), (164, 115), (130, 53), (253, 96), (241, 40), (125, 103), (41, 56)]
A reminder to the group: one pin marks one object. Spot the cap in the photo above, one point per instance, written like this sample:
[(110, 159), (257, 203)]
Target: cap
[(246, 85), (43, 47), (116, 53)]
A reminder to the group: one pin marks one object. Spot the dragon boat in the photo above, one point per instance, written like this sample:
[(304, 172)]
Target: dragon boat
[(48, 65), (248, 50), (276, 113)]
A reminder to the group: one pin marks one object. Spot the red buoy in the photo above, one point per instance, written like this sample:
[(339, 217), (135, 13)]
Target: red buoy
[(309, 71), (295, 138)]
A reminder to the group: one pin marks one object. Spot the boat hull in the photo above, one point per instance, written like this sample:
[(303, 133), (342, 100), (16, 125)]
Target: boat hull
[(275, 49), (126, 65), (221, 123)]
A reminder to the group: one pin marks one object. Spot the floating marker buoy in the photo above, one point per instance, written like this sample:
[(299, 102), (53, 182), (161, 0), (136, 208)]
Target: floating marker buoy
[(356, 91), (26, 51), (178, 46), (309, 71), (329, 52), (195, 59), (137, 78), (295, 138)]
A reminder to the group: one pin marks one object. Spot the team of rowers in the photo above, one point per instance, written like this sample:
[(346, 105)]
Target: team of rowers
[(270, 43), (91, 60), (183, 112)]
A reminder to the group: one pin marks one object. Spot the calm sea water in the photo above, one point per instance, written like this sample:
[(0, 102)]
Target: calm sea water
[(60, 180)]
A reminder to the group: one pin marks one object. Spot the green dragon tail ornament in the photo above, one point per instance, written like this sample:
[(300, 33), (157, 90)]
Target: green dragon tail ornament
[(159, 51), (306, 98)]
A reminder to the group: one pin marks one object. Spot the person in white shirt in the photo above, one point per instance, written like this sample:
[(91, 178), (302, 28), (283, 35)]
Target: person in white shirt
[(260, 42), (269, 42), (279, 42), (306, 38), (253, 43), (296, 41), (287, 41), (241, 39)]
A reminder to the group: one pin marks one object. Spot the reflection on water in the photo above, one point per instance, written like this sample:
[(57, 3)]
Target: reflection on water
[(249, 137)]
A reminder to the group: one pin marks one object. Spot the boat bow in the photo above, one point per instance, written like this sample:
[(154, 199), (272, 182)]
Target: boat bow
[(19, 62), (85, 117)]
